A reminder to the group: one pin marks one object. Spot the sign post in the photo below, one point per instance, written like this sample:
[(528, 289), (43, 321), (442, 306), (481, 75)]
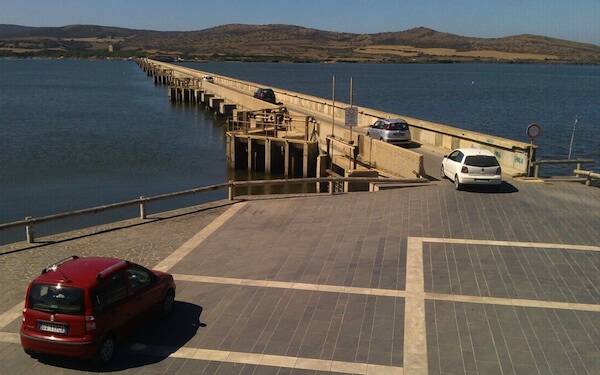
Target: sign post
[(351, 113), (533, 131), (333, 108)]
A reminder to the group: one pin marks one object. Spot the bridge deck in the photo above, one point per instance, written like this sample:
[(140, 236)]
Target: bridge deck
[(416, 280)]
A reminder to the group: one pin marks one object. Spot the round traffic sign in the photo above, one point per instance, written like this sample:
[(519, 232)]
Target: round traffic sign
[(534, 131)]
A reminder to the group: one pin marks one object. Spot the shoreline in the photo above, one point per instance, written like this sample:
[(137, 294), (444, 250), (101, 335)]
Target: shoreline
[(325, 61)]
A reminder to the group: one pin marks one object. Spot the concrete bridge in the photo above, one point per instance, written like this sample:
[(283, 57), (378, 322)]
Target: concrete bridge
[(305, 116)]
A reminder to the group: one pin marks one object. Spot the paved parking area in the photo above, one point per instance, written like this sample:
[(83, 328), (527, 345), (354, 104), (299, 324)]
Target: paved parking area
[(410, 281)]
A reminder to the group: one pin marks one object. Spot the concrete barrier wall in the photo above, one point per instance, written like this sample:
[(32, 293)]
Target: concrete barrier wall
[(513, 155), (389, 158), (383, 156)]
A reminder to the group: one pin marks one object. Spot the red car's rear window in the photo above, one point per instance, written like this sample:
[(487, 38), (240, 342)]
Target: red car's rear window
[(56, 299)]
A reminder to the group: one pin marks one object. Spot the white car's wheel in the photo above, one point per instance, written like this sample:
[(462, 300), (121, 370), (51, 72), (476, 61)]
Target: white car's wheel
[(457, 183)]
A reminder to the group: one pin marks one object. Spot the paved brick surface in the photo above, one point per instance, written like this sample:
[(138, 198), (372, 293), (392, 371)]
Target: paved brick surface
[(320, 243), (510, 272), (341, 327), (491, 339), (360, 240)]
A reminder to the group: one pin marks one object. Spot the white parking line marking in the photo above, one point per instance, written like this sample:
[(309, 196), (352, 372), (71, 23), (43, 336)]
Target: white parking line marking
[(268, 360), (415, 338), (514, 302), (248, 358), (170, 261), (388, 292), (10, 338), (291, 285), (10, 315), (465, 241)]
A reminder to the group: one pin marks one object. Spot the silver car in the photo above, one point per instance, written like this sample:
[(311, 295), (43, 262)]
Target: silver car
[(390, 130)]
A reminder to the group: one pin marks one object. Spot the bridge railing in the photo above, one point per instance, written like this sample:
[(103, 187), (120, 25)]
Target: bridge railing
[(141, 202), (578, 162)]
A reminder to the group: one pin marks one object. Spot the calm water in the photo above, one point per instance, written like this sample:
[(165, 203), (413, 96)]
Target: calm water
[(76, 134)]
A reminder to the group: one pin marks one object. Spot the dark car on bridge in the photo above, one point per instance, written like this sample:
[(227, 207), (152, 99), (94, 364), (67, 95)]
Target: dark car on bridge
[(81, 307), (268, 95)]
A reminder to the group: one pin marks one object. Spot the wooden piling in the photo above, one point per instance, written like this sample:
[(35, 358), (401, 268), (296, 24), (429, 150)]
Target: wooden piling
[(268, 156)]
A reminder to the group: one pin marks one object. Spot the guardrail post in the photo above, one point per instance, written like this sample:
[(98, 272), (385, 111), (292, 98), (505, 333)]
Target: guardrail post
[(29, 232), (230, 190), (142, 208)]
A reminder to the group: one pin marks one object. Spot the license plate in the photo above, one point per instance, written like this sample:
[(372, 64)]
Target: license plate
[(54, 328)]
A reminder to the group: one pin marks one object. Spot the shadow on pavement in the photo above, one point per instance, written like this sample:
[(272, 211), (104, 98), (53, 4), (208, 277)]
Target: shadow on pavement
[(151, 342), (503, 188)]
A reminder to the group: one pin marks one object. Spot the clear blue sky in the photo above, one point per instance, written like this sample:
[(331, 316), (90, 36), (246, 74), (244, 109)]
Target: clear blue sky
[(569, 19)]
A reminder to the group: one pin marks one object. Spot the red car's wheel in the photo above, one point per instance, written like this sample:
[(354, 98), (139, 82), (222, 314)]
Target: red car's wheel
[(106, 350), (168, 304)]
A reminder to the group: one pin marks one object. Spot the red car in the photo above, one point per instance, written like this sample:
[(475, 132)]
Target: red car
[(79, 307)]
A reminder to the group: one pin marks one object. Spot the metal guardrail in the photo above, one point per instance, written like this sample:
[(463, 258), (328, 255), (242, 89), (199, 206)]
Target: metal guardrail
[(538, 163), (28, 222), (588, 174)]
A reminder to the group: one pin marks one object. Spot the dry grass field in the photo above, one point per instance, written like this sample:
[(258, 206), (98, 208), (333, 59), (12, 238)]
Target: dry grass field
[(409, 51)]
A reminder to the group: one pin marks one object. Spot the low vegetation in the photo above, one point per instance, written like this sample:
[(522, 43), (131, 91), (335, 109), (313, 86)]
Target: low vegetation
[(287, 43)]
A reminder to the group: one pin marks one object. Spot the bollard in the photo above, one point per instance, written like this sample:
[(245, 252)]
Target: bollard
[(142, 208), (536, 171), (29, 232), (331, 187), (230, 191)]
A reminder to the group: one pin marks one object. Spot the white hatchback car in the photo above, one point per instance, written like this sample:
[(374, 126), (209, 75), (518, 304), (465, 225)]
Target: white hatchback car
[(471, 166)]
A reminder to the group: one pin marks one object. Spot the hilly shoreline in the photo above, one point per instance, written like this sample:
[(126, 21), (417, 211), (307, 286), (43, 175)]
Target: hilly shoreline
[(278, 43)]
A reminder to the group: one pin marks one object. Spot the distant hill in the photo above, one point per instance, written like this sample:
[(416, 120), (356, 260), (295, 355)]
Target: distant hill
[(288, 43)]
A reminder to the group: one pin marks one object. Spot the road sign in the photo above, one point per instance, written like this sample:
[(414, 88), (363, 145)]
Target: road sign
[(534, 131), (351, 118)]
